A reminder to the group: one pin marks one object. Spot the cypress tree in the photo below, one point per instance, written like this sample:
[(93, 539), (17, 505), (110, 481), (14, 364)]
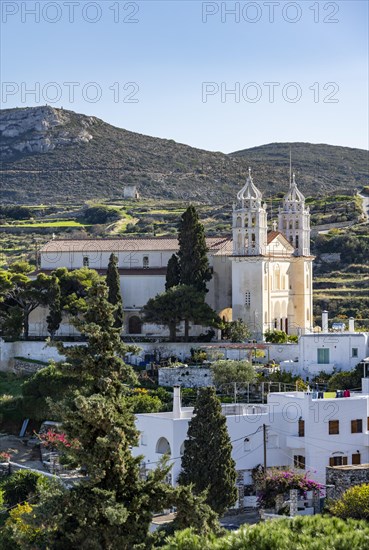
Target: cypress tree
[(207, 459), (115, 296), (113, 507), (173, 275), (193, 261)]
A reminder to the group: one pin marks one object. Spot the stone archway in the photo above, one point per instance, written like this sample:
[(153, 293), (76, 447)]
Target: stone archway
[(134, 325)]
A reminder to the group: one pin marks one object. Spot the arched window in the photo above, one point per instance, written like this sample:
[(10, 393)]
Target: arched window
[(145, 262), (162, 446), (290, 224), (239, 241), (297, 241), (253, 221), (86, 261), (134, 325), (296, 224), (277, 276), (238, 221)]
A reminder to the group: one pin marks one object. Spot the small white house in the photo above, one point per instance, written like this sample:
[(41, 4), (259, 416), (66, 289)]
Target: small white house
[(130, 192), (305, 430), (329, 350)]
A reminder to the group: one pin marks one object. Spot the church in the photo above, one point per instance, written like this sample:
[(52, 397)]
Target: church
[(262, 276)]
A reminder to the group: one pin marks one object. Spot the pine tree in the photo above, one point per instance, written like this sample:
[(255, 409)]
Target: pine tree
[(207, 459), (113, 508), (193, 261), (54, 317), (115, 296), (180, 303), (173, 274)]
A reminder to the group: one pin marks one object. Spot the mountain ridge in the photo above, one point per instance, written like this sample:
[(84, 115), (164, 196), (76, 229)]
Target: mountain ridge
[(54, 155)]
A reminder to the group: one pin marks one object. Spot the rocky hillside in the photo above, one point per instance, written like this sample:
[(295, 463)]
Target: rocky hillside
[(52, 155)]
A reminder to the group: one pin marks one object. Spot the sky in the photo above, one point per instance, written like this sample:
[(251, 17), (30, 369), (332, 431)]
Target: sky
[(221, 76)]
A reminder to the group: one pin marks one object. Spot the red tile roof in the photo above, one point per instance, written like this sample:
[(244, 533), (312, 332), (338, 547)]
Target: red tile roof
[(127, 244)]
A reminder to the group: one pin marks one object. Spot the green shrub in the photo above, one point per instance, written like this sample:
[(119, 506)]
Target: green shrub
[(302, 532), (21, 486), (354, 503)]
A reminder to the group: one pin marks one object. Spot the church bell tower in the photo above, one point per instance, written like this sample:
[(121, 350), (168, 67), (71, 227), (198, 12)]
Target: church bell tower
[(294, 220), (249, 221)]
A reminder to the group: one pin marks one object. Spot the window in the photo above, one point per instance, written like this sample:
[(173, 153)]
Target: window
[(356, 458), (238, 222), (299, 462), (356, 426), (323, 356), (162, 446), (86, 261), (145, 262), (277, 276), (338, 461), (355, 352), (297, 241), (301, 427), (247, 444), (247, 298), (334, 427)]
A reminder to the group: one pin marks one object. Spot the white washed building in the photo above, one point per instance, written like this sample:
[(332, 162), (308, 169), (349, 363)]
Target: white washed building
[(302, 432), (262, 275), (329, 350)]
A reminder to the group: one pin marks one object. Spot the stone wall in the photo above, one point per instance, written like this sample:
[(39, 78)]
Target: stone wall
[(21, 366), (342, 478), (187, 377)]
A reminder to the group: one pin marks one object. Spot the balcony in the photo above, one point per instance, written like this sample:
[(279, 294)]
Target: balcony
[(295, 442)]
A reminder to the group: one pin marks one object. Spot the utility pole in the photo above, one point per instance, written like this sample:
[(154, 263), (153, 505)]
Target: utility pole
[(265, 452)]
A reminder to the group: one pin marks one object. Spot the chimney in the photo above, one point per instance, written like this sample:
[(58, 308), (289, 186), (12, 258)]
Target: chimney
[(351, 324), (325, 321), (177, 411)]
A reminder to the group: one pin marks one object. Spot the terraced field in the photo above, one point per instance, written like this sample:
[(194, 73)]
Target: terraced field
[(341, 287)]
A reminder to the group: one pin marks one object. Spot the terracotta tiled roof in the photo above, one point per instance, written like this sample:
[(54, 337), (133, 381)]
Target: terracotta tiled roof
[(121, 271), (272, 235), (120, 245)]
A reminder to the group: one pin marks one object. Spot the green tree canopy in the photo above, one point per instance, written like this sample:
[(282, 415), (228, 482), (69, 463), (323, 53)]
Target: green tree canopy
[(193, 261), (19, 291), (207, 461), (173, 272), (54, 317), (115, 295), (180, 303), (227, 373), (236, 331), (113, 508)]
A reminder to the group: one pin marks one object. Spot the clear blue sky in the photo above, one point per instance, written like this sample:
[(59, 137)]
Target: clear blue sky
[(174, 47)]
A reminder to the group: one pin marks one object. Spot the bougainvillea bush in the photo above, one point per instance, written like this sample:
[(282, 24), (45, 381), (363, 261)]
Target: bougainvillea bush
[(279, 482), (56, 441)]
